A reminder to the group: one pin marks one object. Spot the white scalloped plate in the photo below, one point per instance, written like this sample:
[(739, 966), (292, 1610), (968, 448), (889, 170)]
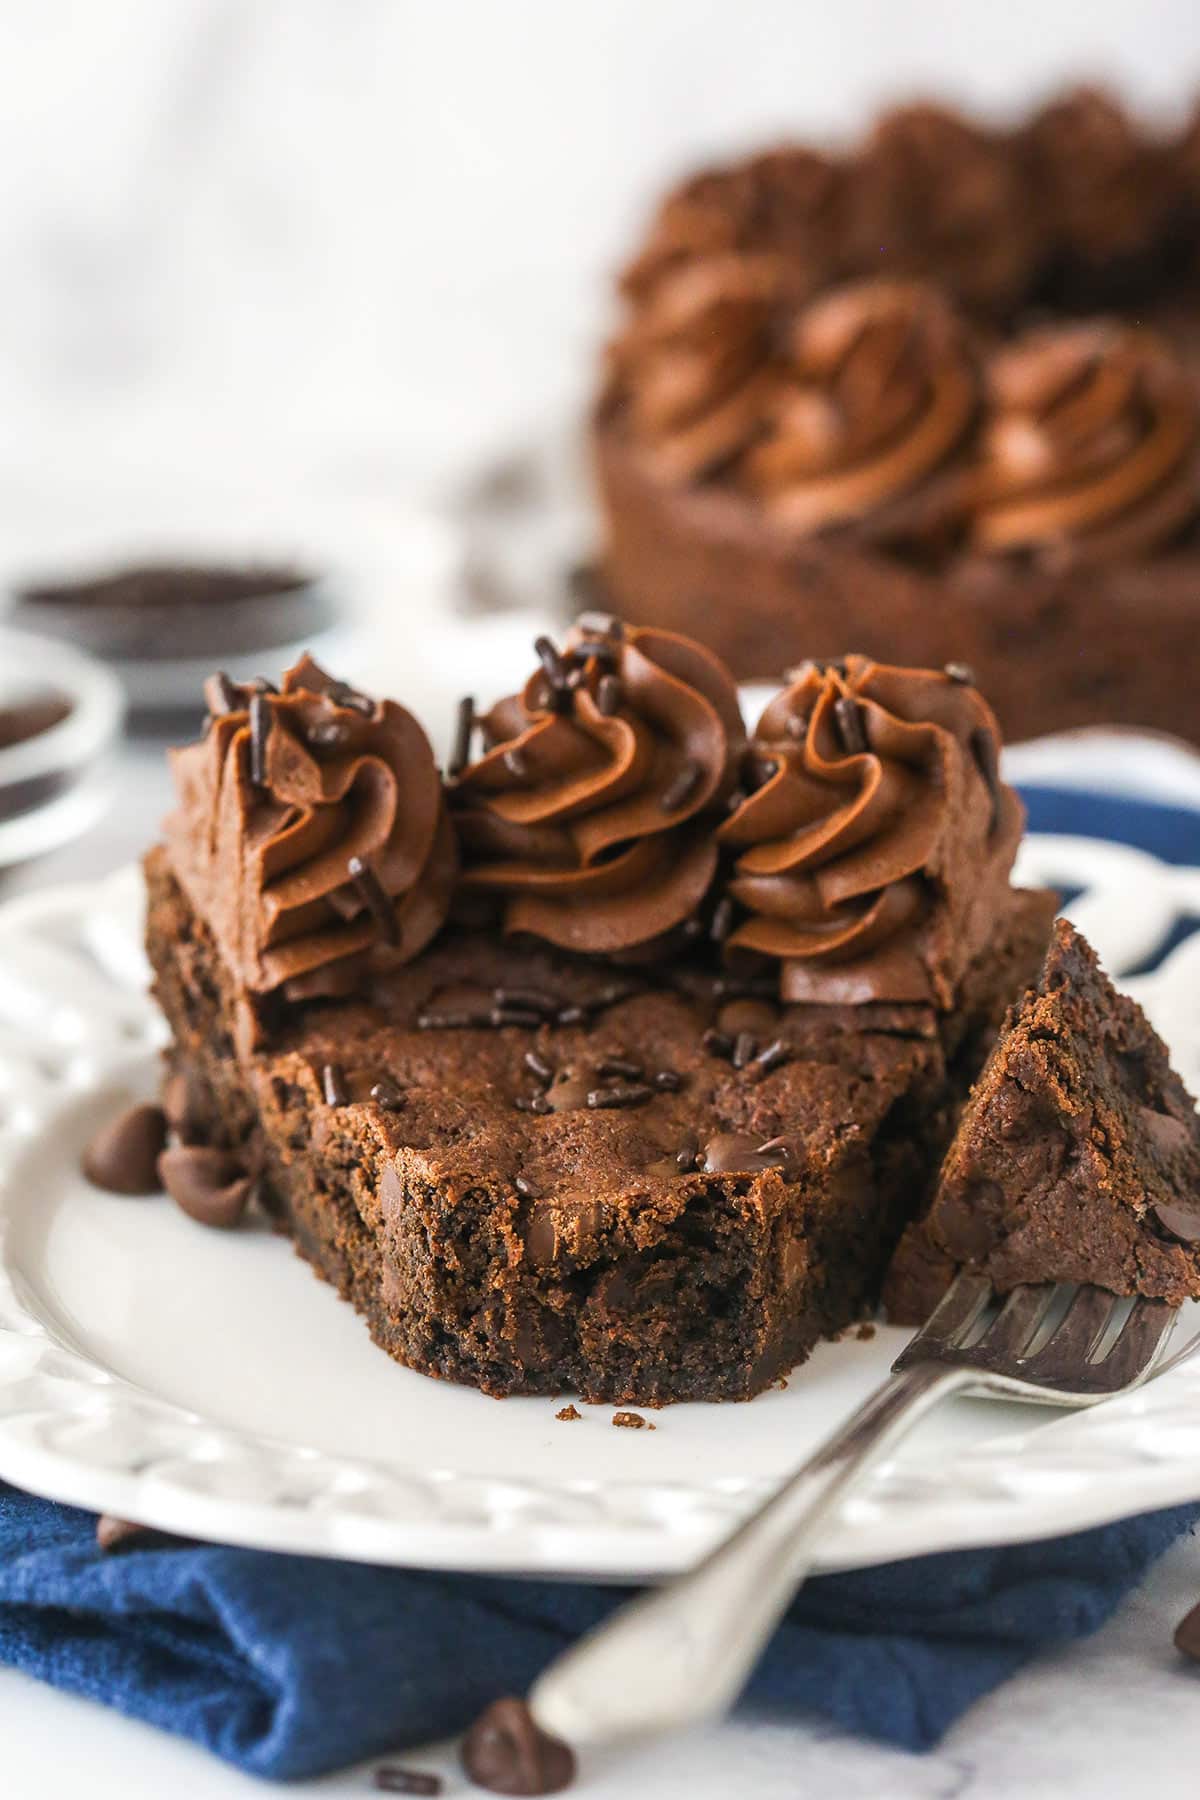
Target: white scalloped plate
[(206, 1383)]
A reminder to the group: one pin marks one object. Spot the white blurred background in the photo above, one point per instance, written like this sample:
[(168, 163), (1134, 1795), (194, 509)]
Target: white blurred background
[(270, 248)]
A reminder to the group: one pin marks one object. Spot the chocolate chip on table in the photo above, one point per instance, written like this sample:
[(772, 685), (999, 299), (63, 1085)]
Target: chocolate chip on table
[(210, 1186), (123, 1156), (390, 1778), (507, 1751), (373, 895), (632, 1421), (1187, 1635), (113, 1533)]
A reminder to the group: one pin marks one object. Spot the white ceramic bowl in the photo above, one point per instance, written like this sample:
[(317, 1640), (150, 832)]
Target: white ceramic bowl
[(53, 786)]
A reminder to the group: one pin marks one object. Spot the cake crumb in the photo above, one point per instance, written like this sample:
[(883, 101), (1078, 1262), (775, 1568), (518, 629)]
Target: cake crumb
[(633, 1421), (568, 1412), (865, 1332)]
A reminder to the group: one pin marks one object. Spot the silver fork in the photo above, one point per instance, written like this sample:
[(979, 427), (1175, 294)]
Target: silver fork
[(683, 1652)]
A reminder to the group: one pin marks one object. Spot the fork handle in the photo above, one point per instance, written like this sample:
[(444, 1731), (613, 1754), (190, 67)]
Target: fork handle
[(684, 1651)]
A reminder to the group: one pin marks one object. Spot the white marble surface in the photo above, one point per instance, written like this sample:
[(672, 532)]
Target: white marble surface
[(1113, 1717)]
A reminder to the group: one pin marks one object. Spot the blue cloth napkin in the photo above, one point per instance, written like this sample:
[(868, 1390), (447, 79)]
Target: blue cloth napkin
[(288, 1666)]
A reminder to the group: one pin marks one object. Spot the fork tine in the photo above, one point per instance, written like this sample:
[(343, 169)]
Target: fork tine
[(950, 1321), (1139, 1341), (1071, 1345), (1017, 1321)]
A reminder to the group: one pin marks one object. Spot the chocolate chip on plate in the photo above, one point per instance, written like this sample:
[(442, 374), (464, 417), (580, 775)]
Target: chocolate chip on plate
[(210, 1186), (507, 1751), (123, 1155)]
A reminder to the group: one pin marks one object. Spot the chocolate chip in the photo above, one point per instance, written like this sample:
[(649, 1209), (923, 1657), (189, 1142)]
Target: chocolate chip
[(667, 1081), (722, 920), (716, 1043), (680, 790), (260, 731), (620, 1065), (631, 1421), (960, 672), (464, 730), (745, 1047), (507, 1751), (221, 694), (537, 1065), (609, 695), (983, 746), (388, 1096), (210, 1186), (333, 1085), (772, 1056), (740, 1152), (517, 1016), (848, 715), (391, 1779), (1180, 1220), (524, 1187), (528, 999), (328, 734), (113, 1533), (123, 1156), (1168, 1136), (374, 897), (1187, 1635), (571, 1015), (633, 1093)]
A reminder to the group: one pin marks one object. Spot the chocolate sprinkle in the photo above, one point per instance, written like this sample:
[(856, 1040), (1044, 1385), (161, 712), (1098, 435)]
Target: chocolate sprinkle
[(599, 624), (682, 788), (518, 1016), (387, 1095), (464, 730), (850, 725), (633, 1093), (572, 1015), (609, 694), (744, 1049), (668, 1081), (260, 729), (550, 657), (531, 999), (771, 1058), (373, 896), (224, 692), (716, 1042), (620, 1065), (391, 1779), (722, 919), (537, 1065), (333, 1085), (963, 673)]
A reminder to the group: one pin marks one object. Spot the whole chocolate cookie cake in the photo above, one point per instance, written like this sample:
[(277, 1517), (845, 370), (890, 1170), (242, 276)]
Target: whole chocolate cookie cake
[(937, 397), (619, 1061)]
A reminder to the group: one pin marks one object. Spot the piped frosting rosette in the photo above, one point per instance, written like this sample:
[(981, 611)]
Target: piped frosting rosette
[(873, 861)]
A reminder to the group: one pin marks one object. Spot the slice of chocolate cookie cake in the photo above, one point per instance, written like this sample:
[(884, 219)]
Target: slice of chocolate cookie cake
[(1077, 1157), (618, 1062)]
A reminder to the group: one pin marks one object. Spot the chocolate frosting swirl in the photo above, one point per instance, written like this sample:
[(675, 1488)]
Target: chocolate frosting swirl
[(879, 395), (936, 198), (315, 843), (692, 369), (1091, 451), (591, 814), (874, 860)]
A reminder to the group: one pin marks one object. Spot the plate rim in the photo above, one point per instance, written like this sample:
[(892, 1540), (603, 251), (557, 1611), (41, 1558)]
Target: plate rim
[(74, 1431)]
